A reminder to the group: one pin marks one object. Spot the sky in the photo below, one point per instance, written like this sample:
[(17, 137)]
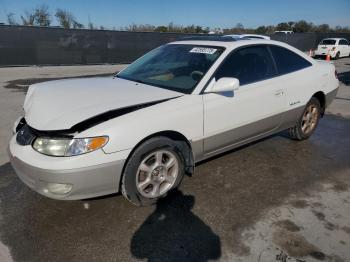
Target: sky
[(211, 13)]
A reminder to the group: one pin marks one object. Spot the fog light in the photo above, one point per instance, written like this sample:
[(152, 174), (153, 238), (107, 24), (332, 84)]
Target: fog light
[(58, 189)]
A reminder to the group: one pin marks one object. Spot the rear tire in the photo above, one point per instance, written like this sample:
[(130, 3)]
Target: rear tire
[(308, 121), (154, 169)]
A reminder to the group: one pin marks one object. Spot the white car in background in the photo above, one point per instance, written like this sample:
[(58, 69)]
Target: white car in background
[(248, 36), (141, 131), (335, 47), (283, 32)]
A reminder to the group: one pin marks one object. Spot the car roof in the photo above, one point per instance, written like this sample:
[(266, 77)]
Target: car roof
[(236, 43), (227, 42), (245, 35), (254, 35)]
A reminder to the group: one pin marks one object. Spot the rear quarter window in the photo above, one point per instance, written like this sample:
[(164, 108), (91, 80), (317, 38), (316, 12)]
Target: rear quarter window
[(287, 61)]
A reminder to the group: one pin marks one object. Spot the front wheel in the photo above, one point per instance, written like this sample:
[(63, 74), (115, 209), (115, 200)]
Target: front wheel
[(308, 121), (155, 167), (337, 56)]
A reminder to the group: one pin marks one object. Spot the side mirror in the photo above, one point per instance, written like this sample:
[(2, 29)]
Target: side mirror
[(225, 84)]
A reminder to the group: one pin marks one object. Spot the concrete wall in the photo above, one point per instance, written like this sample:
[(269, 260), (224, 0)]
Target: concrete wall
[(25, 45)]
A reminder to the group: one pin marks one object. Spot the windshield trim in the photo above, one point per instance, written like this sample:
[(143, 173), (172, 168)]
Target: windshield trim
[(179, 90)]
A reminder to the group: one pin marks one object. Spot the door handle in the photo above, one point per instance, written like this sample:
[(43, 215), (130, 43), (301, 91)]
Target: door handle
[(279, 92)]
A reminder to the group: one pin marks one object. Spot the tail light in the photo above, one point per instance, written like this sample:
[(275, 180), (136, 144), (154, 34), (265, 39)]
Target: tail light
[(336, 74)]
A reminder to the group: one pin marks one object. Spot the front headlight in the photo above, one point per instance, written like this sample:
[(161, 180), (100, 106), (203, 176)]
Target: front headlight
[(68, 146)]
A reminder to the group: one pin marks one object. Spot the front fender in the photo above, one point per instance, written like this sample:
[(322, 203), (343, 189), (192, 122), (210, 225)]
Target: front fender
[(183, 115)]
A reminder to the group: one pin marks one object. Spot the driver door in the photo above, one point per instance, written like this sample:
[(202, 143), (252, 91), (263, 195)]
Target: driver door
[(254, 109)]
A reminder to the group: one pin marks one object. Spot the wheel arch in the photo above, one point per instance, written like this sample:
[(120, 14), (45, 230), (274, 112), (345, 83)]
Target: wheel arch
[(321, 97), (176, 136)]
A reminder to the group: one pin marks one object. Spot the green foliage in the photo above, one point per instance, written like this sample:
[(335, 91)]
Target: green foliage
[(191, 29), (284, 27), (324, 28), (303, 27), (161, 29)]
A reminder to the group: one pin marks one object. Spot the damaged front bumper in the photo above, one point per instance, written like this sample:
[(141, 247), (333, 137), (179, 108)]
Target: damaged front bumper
[(67, 178)]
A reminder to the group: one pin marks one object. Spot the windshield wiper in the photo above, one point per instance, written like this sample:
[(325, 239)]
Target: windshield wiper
[(130, 79), (138, 81)]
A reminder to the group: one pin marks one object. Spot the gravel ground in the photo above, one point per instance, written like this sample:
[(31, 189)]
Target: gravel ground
[(273, 200)]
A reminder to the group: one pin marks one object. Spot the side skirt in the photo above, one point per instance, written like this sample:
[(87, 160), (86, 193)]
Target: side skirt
[(289, 119)]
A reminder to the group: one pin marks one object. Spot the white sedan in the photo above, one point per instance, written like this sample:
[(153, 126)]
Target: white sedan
[(334, 47), (141, 131)]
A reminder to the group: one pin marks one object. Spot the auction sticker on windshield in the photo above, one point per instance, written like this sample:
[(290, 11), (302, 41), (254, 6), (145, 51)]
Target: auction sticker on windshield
[(203, 50)]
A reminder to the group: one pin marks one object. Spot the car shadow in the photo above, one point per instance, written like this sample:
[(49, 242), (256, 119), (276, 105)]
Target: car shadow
[(344, 77), (173, 233), (229, 194)]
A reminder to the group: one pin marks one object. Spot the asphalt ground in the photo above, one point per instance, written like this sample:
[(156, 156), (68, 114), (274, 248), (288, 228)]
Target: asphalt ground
[(272, 200)]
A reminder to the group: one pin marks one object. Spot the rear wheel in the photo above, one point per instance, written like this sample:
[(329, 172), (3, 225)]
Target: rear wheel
[(155, 167), (308, 121)]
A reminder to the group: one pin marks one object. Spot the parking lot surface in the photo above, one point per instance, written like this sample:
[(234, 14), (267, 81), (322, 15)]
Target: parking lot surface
[(272, 200)]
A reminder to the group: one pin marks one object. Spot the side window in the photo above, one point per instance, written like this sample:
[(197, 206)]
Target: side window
[(287, 61), (343, 42), (250, 64)]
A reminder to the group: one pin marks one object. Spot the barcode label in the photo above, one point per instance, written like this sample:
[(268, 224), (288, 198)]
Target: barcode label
[(203, 50)]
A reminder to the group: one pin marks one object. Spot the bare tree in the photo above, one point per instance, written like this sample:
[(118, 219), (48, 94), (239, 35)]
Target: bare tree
[(77, 25), (42, 16), (11, 19), (28, 18), (90, 24), (67, 19)]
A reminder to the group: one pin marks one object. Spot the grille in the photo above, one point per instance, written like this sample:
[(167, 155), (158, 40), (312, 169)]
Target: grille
[(25, 136)]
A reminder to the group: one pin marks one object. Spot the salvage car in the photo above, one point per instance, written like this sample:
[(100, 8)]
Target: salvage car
[(334, 47), (142, 130)]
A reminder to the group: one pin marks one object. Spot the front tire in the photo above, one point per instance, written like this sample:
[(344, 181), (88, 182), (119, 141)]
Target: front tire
[(155, 168), (307, 122), (337, 56)]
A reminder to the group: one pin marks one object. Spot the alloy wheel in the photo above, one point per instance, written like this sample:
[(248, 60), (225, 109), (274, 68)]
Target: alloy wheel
[(157, 173), (309, 120)]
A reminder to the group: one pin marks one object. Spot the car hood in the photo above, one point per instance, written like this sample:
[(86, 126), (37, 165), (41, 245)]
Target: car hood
[(60, 104)]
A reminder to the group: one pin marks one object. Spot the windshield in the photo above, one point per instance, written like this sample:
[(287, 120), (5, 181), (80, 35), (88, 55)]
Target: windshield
[(328, 42), (175, 67)]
